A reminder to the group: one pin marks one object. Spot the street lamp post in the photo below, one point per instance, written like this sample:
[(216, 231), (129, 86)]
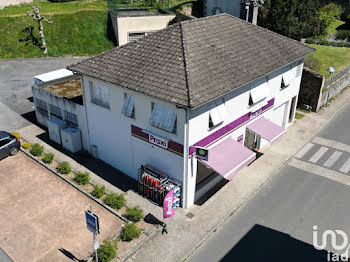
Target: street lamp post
[(331, 72)]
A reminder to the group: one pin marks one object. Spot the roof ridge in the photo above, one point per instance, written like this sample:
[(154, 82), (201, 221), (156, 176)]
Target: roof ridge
[(184, 53), (266, 29)]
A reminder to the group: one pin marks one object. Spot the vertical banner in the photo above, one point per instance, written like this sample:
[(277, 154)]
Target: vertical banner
[(168, 210)]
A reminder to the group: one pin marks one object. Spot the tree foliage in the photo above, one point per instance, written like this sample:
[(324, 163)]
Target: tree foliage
[(297, 18)]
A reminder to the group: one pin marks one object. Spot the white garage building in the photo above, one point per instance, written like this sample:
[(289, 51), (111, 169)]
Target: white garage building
[(216, 83)]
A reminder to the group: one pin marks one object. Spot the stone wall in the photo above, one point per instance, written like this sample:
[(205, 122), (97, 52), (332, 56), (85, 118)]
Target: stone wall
[(314, 88), (311, 89)]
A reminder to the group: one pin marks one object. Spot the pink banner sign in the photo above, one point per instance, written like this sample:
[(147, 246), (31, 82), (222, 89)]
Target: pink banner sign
[(168, 204)]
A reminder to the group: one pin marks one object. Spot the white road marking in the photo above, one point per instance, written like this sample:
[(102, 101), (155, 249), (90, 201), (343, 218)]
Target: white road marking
[(320, 171), (330, 162), (304, 150), (318, 154), (346, 167)]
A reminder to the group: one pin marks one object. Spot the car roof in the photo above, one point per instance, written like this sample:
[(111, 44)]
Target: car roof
[(4, 134)]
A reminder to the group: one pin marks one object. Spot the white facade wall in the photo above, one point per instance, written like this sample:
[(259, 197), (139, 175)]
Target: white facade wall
[(232, 7), (139, 24), (64, 105), (110, 131), (237, 105)]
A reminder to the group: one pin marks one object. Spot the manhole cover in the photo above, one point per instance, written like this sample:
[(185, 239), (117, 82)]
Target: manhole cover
[(189, 215)]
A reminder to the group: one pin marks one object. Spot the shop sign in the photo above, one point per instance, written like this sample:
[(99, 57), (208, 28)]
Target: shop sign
[(202, 153), (255, 114), (159, 141)]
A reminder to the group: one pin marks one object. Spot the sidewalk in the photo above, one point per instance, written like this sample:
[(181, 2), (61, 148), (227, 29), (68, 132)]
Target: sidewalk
[(186, 233)]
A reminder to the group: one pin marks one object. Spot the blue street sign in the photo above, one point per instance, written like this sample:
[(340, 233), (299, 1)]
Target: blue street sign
[(92, 222)]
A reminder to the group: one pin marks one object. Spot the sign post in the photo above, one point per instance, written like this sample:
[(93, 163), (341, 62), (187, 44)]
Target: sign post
[(93, 225)]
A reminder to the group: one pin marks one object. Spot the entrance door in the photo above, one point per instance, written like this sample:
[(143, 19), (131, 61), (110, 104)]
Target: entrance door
[(292, 110), (279, 115), (252, 140)]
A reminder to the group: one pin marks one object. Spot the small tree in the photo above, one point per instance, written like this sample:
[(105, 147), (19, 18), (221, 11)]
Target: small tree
[(35, 13)]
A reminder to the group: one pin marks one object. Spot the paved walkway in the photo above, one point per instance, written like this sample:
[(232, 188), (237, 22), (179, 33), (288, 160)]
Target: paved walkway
[(184, 232), (4, 3)]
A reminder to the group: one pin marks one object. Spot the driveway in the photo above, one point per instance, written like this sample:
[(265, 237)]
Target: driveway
[(16, 76), (42, 217)]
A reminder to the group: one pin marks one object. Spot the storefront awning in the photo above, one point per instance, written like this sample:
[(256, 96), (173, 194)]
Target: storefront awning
[(267, 129), (229, 157)]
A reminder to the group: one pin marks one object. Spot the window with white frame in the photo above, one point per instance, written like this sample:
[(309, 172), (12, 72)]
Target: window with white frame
[(298, 71), (128, 106), (71, 119), (287, 79), (99, 95), (258, 93), (164, 118), (55, 111), (217, 113)]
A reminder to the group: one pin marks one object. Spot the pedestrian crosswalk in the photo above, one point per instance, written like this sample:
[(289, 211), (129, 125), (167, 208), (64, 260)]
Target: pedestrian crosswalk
[(325, 156)]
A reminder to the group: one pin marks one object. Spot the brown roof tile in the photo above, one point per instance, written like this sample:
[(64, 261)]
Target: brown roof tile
[(195, 61)]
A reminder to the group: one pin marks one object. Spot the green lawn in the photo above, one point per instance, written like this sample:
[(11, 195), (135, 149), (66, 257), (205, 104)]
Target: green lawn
[(78, 34), (299, 116), (339, 57)]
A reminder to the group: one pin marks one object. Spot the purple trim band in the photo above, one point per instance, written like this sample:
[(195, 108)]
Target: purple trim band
[(172, 146), (229, 128)]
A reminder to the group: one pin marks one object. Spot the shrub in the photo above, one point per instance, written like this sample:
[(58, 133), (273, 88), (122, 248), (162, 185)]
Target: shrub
[(37, 149), (310, 40), (116, 201), (64, 168), (26, 145), (343, 34), (130, 232), (134, 214), (82, 178), (17, 135), (106, 252), (99, 191), (48, 158)]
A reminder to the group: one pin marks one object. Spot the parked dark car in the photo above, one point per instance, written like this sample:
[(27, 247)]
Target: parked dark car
[(9, 145)]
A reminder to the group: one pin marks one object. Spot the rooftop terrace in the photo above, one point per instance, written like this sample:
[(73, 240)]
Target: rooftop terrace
[(68, 87), (143, 7)]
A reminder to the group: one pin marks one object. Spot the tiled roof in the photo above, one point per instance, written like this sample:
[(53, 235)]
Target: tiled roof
[(195, 61)]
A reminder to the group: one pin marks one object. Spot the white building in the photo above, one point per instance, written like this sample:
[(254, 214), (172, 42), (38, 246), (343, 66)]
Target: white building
[(244, 9), (216, 83), (58, 94), (131, 23)]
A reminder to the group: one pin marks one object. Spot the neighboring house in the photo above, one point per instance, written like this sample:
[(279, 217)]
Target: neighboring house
[(216, 83), (58, 94), (239, 8), (131, 23)]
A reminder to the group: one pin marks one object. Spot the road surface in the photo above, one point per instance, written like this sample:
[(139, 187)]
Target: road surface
[(276, 224)]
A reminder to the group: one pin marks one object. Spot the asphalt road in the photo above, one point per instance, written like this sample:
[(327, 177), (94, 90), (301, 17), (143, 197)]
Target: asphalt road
[(16, 107), (276, 224)]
